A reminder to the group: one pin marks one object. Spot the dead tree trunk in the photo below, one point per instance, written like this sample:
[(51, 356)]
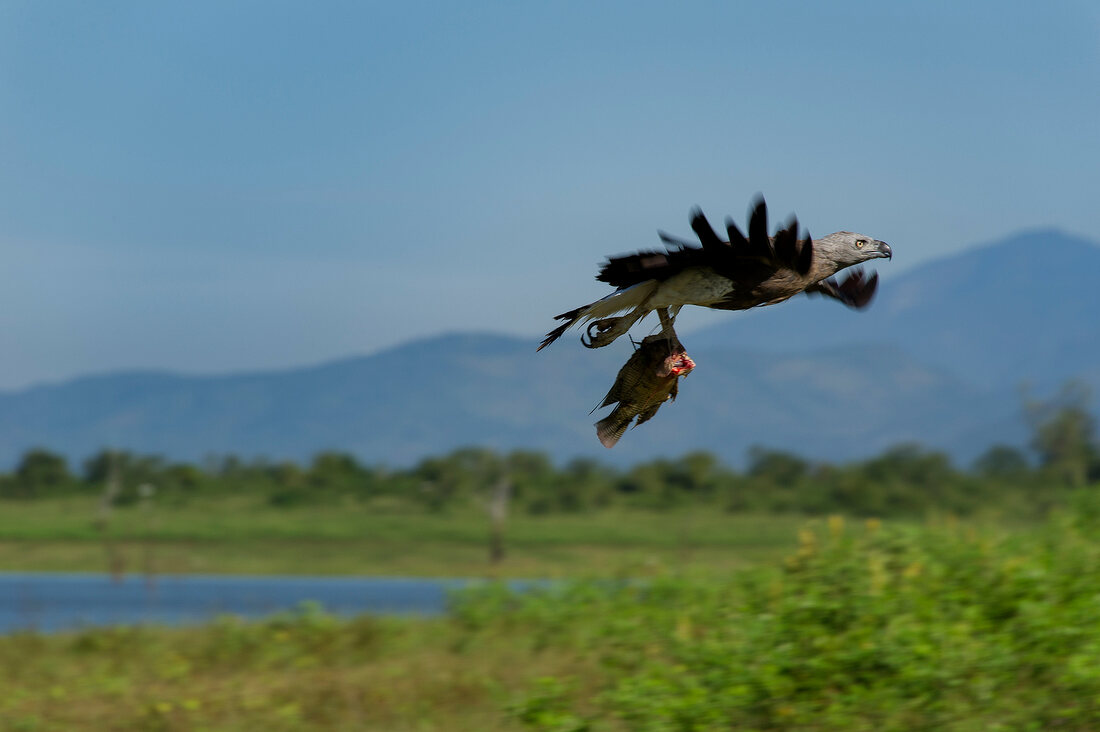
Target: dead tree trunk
[(498, 513), (146, 492), (115, 562)]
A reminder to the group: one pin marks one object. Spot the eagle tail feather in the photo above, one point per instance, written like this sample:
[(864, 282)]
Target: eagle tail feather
[(553, 336), (628, 298)]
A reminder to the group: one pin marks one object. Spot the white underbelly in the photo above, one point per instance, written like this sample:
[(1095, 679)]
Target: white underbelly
[(694, 286)]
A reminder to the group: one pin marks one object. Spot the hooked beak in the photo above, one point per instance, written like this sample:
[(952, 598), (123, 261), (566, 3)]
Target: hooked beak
[(884, 249)]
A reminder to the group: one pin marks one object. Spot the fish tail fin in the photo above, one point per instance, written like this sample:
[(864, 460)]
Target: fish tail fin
[(611, 428)]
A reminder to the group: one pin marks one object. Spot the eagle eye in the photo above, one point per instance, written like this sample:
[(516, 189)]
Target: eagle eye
[(860, 243)]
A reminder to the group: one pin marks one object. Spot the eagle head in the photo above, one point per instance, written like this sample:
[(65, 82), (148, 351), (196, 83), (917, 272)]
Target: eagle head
[(846, 248)]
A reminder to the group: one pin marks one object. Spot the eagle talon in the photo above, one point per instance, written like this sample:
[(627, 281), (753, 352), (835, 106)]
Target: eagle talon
[(606, 332)]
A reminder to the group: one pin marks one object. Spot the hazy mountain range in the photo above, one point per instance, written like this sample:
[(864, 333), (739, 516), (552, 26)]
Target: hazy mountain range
[(938, 358)]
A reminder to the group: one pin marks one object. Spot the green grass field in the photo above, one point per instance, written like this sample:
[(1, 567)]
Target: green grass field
[(858, 627), (305, 673), (242, 535), (384, 674), (727, 622)]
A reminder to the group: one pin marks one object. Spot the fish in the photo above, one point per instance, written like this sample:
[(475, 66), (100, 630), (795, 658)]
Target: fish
[(647, 380)]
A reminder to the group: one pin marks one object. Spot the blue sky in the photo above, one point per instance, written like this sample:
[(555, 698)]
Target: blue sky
[(215, 186)]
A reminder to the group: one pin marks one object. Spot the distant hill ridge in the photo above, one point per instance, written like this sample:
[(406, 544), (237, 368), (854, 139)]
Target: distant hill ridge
[(938, 358)]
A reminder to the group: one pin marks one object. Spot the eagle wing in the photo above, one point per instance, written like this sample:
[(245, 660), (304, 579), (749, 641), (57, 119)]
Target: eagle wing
[(752, 258), (856, 291)]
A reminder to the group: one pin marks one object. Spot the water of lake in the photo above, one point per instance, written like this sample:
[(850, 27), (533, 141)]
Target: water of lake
[(51, 602)]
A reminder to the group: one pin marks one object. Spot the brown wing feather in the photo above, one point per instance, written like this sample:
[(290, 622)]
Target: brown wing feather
[(759, 243), (746, 259), (805, 254), (707, 237), (856, 291), (786, 241), (738, 242)]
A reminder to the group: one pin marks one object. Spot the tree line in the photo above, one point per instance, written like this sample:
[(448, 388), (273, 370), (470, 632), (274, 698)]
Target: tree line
[(907, 479), (904, 480)]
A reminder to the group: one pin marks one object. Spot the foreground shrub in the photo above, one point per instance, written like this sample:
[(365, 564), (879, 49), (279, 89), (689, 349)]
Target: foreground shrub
[(891, 629)]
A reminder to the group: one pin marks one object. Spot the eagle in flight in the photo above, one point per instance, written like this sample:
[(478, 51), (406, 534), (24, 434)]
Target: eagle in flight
[(738, 274)]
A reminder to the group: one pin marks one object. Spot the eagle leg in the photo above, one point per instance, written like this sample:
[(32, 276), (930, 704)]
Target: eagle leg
[(608, 329), (666, 322)]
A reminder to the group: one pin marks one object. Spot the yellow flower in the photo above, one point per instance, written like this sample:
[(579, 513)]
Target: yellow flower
[(836, 526)]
